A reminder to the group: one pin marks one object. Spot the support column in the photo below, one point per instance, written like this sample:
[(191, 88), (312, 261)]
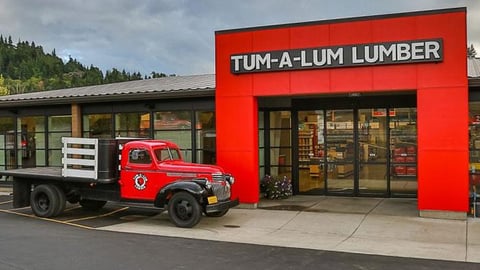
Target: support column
[(443, 152), (237, 145), (76, 121)]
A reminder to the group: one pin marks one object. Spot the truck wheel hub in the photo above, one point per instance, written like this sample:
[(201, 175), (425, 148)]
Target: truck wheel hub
[(184, 210), (43, 202)]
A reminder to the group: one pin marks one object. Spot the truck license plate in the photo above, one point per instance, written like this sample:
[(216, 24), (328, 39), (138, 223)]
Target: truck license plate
[(212, 199)]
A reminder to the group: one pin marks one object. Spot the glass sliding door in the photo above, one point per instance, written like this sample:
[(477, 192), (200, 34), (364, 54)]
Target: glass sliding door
[(358, 151), (403, 147), (311, 152), (372, 151), (340, 151)]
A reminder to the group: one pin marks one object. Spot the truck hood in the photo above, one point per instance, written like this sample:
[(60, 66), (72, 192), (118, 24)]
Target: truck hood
[(182, 166)]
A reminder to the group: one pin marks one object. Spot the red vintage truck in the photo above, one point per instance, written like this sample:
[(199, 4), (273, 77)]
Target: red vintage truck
[(152, 172)]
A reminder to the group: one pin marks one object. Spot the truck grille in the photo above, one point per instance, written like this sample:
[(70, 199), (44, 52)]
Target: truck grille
[(223, 177), (221, 190), (218, 176)]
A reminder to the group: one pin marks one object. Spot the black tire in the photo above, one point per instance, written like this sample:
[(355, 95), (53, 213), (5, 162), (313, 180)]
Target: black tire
[(184, 210), (217, 214), (92, 205), (62, 200), (45, 201)]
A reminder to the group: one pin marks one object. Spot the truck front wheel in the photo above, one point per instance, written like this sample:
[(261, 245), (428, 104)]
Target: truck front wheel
[(184, 210), (45, 201)]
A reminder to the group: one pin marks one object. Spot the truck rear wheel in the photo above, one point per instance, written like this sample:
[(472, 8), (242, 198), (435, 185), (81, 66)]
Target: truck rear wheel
[(92, 205), (184, 210), (62, 200), (46, 201)]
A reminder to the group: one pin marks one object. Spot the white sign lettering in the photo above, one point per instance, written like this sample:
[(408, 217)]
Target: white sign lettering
[(415, 51)]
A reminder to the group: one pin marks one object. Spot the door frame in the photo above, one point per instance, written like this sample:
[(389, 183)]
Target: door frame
[(408, 99)]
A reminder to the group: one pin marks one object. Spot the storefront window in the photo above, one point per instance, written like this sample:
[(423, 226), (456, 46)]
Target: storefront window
[(403, 147), (340, 150), (261, 143), (58, 126), (372, 153), (311, 151), (280, 143), (474, 146), (134, 125), (7, 142), (206, 137), (175, 126), (31, 141), (97, 126)]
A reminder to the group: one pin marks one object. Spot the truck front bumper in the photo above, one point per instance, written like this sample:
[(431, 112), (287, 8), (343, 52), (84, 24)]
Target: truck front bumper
[(221, 206)]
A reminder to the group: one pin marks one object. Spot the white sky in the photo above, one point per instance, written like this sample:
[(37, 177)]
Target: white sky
[(177, 36)]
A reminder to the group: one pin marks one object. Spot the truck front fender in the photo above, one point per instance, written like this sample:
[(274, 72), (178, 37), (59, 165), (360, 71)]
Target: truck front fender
[(191, 187)]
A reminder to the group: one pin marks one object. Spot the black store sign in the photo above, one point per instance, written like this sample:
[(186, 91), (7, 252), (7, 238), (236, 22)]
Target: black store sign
[(386, 53)]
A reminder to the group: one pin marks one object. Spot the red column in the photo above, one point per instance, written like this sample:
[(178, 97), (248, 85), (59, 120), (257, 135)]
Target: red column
[(237, 144), (443, 148)]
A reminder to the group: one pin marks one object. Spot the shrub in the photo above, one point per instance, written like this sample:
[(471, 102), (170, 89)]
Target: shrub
[(275, 188)]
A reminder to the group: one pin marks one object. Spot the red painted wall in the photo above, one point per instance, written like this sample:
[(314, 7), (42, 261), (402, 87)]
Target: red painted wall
[(442, 94)]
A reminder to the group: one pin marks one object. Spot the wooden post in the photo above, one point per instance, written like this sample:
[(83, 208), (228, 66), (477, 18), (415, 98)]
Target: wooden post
[(76, 121)]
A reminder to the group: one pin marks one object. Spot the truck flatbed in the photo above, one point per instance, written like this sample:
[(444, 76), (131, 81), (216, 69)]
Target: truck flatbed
[(52, 173), (46, 173)]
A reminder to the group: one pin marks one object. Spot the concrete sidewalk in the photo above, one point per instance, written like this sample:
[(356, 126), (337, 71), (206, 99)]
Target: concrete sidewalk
[(359, 225)]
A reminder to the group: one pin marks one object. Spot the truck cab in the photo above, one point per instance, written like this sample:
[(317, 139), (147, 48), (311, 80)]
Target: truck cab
[(154, 171), (148, 166)]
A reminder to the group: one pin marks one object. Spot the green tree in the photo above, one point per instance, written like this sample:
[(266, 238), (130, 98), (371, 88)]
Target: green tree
[(25, 67), (3, 89)]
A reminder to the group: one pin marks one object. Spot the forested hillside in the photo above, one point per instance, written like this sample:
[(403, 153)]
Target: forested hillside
[(25, 67)]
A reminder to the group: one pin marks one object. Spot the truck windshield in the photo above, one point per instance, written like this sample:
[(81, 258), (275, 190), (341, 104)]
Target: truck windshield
[(167, 154)]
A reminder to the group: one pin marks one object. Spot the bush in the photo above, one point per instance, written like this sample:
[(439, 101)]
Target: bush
[(275, 188)]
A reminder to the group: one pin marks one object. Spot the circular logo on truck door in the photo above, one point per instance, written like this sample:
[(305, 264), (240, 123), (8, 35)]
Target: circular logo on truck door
[(140, 181)]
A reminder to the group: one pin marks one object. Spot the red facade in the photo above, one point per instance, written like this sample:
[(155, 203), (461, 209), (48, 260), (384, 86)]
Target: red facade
[(441, 90)]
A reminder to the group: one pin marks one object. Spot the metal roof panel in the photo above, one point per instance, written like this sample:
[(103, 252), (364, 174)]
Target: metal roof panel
[(175, 84), (473, 67)]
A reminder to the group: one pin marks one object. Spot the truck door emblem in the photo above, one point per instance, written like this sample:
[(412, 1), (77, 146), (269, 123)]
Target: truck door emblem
[(140, 181)]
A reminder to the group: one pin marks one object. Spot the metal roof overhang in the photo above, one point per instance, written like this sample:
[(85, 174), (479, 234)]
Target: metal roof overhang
[(171, 94), (474, 82)]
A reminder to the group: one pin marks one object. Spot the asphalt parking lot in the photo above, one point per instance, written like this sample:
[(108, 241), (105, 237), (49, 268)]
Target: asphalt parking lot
[(75, 215), (381, 226)]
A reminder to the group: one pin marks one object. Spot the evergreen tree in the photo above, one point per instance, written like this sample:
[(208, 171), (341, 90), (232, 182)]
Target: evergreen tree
[(3, 89), (25, 67)]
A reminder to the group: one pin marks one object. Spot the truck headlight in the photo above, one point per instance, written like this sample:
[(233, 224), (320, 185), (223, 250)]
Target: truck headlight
[(231, 179), (208, 184)]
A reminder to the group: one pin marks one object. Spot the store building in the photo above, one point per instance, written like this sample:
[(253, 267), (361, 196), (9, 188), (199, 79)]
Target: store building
[(371, 106)]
